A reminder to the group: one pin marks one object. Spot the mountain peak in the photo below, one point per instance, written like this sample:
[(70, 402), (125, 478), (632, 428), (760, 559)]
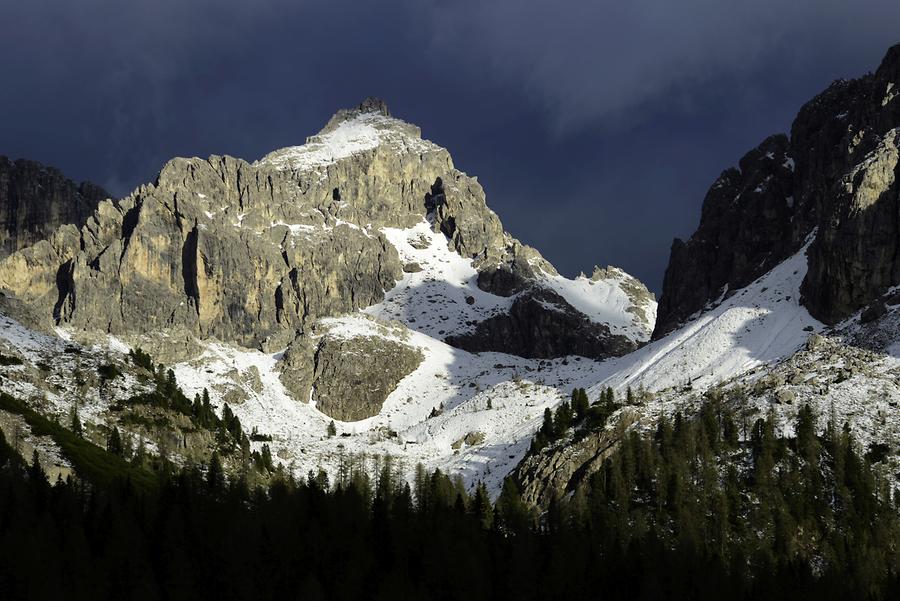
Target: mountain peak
[(373, 104), (371, 107), (350, 132)]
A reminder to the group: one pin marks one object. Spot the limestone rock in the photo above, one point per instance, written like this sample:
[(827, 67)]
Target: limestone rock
[(252, 254), (348, 377), (745, 230), (566, 467)]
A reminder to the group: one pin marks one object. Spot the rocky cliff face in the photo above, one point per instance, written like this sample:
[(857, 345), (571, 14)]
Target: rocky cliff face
[(350, 376), (836, 175), (35, 200), (745, 230), (253, 253)]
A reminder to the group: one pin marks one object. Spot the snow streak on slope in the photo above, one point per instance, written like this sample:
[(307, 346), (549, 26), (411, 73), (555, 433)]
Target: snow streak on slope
[(760, 323), (435, 300), (497, 399)]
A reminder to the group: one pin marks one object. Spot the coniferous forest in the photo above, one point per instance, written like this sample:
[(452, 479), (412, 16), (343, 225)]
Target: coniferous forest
[(692, 510)]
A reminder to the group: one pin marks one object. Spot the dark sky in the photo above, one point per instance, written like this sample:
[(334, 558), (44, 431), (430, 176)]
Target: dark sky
[(595, 127)]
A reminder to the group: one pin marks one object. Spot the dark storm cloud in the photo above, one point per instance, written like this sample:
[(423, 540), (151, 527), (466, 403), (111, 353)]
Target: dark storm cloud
[(594, 126), (588, 61)]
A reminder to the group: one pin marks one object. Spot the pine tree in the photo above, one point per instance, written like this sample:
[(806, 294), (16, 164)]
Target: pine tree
[(75, 421), (562, 419), (547, 428), (514, 514), (114, 443), (481, 506), (35, 471), (807, 443), (580, 404), (215, 475), (331, 430)]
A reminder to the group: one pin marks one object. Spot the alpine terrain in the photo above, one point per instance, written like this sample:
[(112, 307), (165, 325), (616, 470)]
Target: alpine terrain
[(349, 314)]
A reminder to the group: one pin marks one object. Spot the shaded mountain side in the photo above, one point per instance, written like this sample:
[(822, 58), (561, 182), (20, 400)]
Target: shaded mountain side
[(540, 324), (36, 199), (836, 174)]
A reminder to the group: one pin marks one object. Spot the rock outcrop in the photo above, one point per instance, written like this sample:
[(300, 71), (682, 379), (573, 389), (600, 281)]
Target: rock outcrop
[(566, 467), (349, 377), (745, 230), (35, 200), (836, 175), (541, 324)]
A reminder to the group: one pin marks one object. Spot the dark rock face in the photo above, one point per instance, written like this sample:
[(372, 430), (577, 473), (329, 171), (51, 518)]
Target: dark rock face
[(836, 175), (745, 230), (35, 200), (354, 377), (854, 258), (542, 325)]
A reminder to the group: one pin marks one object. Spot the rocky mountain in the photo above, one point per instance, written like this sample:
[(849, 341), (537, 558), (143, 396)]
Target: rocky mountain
[(35, 200), (253, 253), (835, 175), (358, 277)]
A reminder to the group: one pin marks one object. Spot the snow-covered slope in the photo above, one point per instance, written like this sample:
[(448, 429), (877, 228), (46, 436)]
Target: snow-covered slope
[(438, 295), (469, 413), (495, 400), (475, 414), (610, 300), (761, 323)]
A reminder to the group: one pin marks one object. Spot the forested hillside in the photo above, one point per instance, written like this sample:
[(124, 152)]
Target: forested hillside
[(685, 512)]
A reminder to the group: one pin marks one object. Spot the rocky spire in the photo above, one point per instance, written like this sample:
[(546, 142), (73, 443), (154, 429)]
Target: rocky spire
[(373, 104)]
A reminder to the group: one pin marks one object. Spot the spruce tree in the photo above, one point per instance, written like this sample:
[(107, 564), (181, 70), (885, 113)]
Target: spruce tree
[(331, 430), (580, 404), (515, 515), (547, 428), (562, 419), (114, 443), (76, 426), (215, 475), (481, 506)]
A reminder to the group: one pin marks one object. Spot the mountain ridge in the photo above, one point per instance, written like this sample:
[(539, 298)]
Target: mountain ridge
[(758, 214)]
